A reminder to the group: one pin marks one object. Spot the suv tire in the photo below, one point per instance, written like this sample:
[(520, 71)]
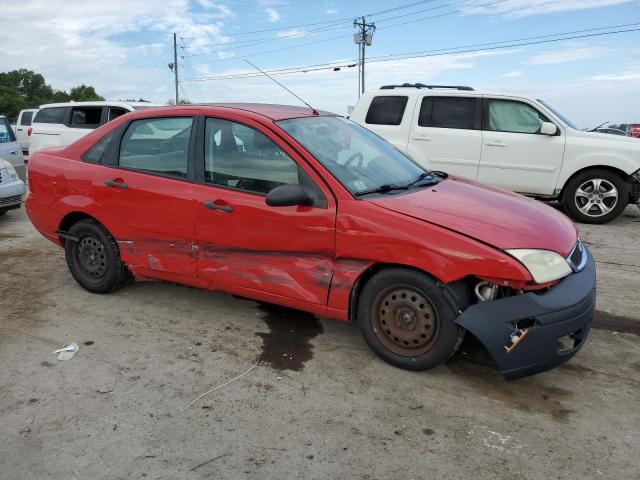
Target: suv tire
[(595, 196)]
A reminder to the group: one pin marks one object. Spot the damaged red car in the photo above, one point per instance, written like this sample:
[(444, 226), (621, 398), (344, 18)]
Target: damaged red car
[(308, 210)]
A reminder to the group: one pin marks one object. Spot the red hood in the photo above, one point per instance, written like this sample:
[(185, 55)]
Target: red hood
[(493, 216)]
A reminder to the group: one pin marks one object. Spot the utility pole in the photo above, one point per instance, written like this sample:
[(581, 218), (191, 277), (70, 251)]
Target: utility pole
[(174, 66), (363, 38)]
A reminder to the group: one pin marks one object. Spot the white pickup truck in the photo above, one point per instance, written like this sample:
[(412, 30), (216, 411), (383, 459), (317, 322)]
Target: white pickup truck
[(509, 141)]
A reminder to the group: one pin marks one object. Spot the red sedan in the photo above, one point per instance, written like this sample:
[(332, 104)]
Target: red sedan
[(311, 211)]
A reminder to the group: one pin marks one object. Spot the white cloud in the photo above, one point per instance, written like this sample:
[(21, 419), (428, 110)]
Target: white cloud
[(568, 55), (293, 33), (331, 11), (72, 44), (272, 14), (525, 8), (513, 74)]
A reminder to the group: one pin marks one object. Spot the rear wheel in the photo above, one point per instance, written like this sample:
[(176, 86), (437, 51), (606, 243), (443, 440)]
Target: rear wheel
[(406, 321), (94, 260), (595, 196)]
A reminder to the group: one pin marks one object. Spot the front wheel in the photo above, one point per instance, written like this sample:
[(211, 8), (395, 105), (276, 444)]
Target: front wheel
[(595, 196), (406, 321), (94, 260)]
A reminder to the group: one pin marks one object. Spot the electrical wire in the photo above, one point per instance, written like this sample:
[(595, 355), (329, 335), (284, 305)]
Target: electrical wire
[(503, 44)]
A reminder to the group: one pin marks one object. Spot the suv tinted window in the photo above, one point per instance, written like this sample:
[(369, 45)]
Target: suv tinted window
[(241, 157), (115, 112), (26, 118), (450, 112), (85, 117), (157, 145), (386, 110), (51, 115), (513, 116)]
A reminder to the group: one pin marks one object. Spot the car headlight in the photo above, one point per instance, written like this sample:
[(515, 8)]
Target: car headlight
[(543, 265), (9, 168)]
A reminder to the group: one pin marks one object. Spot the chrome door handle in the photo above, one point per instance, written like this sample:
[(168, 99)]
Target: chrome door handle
[(214, 206), (116, 184), (425, 138), (496, 144)]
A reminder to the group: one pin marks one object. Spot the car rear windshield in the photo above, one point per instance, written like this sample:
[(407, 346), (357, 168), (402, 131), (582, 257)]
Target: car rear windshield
[(358, 158)]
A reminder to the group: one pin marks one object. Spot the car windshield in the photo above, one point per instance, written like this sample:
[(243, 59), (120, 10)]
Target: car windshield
[(361, 161), (568, 122)]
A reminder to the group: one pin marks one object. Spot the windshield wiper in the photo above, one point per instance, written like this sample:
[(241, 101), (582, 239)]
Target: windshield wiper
[(387, 187), (423, 176)]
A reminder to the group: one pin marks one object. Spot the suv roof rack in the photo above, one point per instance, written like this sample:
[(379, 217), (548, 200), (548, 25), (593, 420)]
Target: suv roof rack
[(430, 87)]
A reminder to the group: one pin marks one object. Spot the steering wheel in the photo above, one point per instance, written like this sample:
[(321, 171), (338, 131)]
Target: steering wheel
[(356, 157)]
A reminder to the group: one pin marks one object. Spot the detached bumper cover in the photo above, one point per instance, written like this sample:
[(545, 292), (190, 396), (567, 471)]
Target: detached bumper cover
[(566, 309)]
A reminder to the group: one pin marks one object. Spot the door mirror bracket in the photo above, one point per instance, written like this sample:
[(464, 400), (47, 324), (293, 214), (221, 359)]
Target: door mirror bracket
[(288, 195)]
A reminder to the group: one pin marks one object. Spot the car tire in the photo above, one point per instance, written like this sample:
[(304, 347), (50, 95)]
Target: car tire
[(595, 196), (94, 260), (406, 320)]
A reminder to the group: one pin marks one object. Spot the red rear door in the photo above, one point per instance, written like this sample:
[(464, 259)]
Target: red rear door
[(146, 197), (283, 254)]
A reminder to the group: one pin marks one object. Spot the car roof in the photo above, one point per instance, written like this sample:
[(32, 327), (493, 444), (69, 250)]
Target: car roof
[(270, 110), (99, 103), (412, 91)]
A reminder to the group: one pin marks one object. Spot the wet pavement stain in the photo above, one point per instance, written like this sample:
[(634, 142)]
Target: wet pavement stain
[(287, 344), (528, 395), (607, 321)]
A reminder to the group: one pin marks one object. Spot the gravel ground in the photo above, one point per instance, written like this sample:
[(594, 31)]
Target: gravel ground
[(318, 404)]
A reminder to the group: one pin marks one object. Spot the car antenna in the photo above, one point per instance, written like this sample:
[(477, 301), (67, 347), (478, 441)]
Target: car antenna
[(315, 112)]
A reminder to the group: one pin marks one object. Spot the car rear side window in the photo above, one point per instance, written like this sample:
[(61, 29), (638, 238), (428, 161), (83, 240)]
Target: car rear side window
[(6, 132), (386, 110), (157, 145), (241, 157), (26, 118), (450, 112), (85, 117), (94, 154), (51, 115)]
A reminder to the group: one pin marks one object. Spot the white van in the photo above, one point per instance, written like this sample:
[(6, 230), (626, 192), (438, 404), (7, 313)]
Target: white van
[(509, 141), (59, 124)]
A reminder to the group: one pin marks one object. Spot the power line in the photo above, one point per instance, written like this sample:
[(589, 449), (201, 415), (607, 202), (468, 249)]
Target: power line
[(526, 41), (264, 52), (332, 22)]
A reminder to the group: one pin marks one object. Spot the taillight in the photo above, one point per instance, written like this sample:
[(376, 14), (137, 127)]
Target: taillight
[(29, 130)]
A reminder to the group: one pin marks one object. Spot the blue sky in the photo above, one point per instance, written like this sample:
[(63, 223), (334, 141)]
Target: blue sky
[(123, 48)]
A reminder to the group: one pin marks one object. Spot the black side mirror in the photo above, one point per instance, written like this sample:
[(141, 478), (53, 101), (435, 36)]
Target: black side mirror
[(288, 195)]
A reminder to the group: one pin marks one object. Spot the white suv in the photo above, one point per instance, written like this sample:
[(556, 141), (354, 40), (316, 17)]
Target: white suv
[(59, 124), (508, 141)]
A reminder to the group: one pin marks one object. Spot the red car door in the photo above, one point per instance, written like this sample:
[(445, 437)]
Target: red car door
[(246, 246), (145, 199)]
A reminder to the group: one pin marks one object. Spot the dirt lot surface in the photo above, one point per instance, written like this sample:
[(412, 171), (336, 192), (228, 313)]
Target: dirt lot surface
[(318, 405)]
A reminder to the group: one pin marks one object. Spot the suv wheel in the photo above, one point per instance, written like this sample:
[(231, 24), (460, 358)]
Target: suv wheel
[(595, 196), (94, 260), (406, 321)]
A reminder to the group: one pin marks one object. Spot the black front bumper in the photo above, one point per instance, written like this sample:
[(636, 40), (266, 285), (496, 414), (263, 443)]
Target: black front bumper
[(565, 309)]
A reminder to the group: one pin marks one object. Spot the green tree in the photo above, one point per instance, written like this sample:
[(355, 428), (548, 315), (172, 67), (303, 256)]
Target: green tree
[(20, 89), (84, 93)]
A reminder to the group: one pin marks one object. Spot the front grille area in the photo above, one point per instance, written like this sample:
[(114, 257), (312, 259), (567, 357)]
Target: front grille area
[(578, 257), (10, 200)]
